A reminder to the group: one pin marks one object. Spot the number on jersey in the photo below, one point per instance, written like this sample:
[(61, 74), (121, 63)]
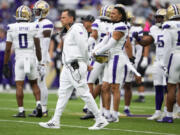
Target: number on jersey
[(160, 41), (23, 41)]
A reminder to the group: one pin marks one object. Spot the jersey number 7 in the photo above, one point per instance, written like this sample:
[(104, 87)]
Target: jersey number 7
[(23, 41)]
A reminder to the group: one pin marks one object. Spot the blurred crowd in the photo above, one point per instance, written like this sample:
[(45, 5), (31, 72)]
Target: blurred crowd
[(146, 9)]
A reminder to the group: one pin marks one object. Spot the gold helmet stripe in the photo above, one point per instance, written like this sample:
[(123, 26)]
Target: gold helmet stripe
[(20, 11), (104, 10), (175, 9)]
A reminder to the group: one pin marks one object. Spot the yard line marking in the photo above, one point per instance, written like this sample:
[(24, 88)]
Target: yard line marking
[(111, 129)]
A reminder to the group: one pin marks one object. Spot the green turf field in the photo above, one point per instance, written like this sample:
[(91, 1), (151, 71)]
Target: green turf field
[(72, 125)]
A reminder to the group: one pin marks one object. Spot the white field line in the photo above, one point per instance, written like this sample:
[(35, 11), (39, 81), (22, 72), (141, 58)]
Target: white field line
[(110, 129)]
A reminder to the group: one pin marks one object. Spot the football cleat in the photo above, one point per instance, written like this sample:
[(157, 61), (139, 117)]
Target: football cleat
[(37, 112), (155, 116), (176, 115), (50, 124), (45, 114), (20, 114), (112, 119), (166, 120), (99, 124), (141, 99), (88, 115), (127, 112)]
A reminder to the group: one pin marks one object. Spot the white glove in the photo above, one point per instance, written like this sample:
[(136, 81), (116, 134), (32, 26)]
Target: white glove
[(144, 62), (42, 71)]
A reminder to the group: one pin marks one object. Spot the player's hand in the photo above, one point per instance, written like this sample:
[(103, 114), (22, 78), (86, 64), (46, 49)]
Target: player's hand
[(132, 60), (144, 62), (138, 79), (136, 36), (6, 71), (89, 68)]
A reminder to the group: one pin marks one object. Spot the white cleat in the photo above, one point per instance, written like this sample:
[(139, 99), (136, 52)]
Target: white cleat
[(176, 115), (155, 116), (99, 124), (112, 119), (49, 124)]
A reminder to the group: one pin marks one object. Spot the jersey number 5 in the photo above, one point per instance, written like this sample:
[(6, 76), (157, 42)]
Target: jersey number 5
[(23, 41), (160, 41)]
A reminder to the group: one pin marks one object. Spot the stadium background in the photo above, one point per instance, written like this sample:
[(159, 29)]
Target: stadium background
[(146, 9)]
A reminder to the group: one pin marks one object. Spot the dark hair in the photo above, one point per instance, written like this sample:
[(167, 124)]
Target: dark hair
[(123, 12), (71, 13), (88, 18)]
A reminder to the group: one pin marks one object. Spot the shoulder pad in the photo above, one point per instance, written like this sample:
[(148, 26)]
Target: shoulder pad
[(120, 26)]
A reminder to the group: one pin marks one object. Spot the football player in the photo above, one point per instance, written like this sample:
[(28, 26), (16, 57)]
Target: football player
[(141, 55), (171, 28), (156, 36), (40, 11), (117, 59), (22, 35)]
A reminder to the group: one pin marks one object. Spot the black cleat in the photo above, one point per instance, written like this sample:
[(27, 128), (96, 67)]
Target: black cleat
[(20, 115), (141, 99), (33, 114), (88, 115), (39, 111), (36, 112)]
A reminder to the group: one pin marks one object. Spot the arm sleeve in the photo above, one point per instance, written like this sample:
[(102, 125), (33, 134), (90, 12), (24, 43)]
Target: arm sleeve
[(95, 25), (82, 42), (167, 46), (45, 50), (111, 43), (9, 34)]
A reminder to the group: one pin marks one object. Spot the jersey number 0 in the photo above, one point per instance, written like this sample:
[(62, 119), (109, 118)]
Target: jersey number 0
[(23, 41)]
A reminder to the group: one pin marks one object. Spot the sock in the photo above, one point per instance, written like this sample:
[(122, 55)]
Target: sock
[(115, 114), (165, 109), (157, 111), (126, 107), (44, 108), (159, 96), (38, 102), (106, 113), (178, 108), (169, 114), (141, 94), (21, 109)]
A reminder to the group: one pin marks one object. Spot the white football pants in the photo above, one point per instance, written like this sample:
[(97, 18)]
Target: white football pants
[(70, 79)]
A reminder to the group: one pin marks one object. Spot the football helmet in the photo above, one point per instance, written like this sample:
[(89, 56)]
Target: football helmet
[(41, 9), (23, 13), (120, 5), (173, 11), (139, 21), (160, 17), (103, 58), (105, 12), (129, 16), (161, 12)]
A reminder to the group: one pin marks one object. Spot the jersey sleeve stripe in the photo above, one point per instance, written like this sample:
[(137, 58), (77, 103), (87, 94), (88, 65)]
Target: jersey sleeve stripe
[(94, 25), (166, 26), (48, 26), (120, 28)]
